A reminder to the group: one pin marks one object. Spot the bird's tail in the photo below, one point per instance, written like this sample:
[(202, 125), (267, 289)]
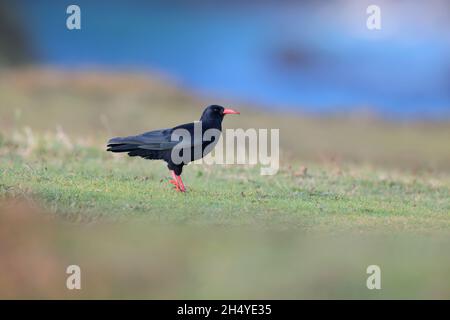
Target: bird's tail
[(121, 148), (120, 145), (133, 149)]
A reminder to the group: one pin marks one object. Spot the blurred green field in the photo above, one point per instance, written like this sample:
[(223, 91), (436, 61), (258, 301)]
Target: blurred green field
[(138, 260), (308, 232)]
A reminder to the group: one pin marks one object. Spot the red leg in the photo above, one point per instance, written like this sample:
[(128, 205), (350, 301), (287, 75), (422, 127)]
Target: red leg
[(181, 184), (174, 181)]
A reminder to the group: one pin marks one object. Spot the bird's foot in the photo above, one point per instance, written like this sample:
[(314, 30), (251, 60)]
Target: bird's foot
[(175, 183), (181, 184)]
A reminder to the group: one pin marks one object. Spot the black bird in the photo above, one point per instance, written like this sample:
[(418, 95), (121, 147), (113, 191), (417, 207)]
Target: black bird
[(160, 144)]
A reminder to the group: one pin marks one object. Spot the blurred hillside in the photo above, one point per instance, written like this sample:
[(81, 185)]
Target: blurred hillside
[(94, 106)]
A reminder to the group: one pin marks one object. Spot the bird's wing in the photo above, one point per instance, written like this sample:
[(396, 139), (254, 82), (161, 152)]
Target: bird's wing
[(164, 139), (152, 140)]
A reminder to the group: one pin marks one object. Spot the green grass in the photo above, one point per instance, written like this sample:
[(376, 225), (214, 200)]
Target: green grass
[(88, 184)]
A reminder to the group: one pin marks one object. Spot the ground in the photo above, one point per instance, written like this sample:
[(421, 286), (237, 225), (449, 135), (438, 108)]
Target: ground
[(352, 190), (88, 184)]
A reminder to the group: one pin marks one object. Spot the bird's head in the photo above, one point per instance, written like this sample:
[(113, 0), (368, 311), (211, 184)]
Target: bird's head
[(216, 112)]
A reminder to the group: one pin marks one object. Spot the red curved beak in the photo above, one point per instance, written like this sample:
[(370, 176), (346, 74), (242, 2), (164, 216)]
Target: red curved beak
[(230, 111)]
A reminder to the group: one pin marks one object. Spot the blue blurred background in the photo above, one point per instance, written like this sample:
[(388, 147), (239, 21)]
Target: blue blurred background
[(311, 56)]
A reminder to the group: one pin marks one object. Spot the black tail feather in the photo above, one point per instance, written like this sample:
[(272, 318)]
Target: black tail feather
[(135, 151), (121, 147)]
